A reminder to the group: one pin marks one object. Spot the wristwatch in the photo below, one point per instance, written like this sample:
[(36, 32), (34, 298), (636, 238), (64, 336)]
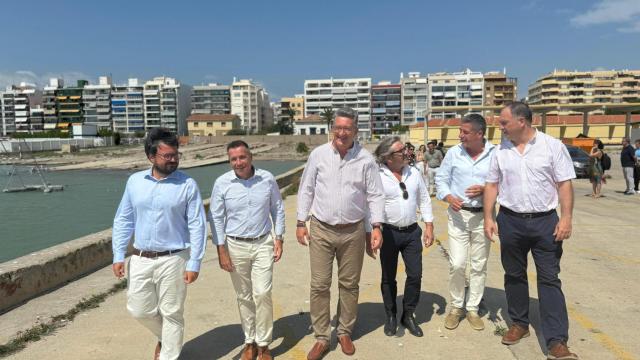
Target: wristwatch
[(301, 224), (280, 237), (376, 226)]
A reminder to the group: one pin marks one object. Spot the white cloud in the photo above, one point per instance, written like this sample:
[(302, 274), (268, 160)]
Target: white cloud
[(15, 78), (623, 12)]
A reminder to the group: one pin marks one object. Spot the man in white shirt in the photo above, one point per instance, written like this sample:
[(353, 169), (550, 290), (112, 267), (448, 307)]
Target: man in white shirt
[(340, 191), (404, 191), (460, 182), (531, 173), (245, 206)]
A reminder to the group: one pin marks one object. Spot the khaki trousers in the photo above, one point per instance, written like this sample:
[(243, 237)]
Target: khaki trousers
[(252, 281), (467, 245), (346, 245), (155, 297)]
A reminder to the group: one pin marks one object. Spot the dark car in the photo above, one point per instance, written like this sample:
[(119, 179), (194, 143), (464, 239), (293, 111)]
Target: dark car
[(580, 161)]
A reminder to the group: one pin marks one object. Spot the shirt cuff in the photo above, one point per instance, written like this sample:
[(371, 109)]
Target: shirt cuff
[(118, 258), (193, 265)]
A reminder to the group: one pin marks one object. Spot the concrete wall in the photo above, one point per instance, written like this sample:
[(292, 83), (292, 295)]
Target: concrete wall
[(310, 140), (32, 275)]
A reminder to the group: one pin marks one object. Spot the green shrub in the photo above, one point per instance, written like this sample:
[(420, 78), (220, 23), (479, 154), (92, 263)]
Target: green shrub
[(302, 148)]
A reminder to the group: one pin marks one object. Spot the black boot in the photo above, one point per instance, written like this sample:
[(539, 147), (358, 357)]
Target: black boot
[(410, 324), (390, 325)]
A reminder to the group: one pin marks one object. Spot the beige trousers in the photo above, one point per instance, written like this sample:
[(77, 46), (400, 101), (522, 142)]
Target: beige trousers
[(155, 297), (252, 281), (346, 245), (467, 245)]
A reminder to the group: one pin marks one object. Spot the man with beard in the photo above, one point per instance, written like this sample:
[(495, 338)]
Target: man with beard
[(163, 208)]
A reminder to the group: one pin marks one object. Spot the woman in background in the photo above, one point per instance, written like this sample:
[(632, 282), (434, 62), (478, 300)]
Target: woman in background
[(596, 173)]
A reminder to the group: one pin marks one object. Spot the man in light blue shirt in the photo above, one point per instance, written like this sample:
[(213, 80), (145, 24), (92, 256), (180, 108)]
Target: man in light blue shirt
[(164, 210), (460, 182), (245, 202)]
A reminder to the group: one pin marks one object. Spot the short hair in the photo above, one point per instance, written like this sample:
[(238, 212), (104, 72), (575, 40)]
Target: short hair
[(627, 140), (157, 136), (236, 144), (409, 145), (519, 109), (348, 113), (478, 123), (383, 151)]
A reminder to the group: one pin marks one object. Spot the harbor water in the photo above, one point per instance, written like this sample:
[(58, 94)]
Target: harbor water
[(31, 221)]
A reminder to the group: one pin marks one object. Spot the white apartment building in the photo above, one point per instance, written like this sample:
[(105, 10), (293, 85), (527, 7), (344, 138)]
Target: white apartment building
[(96, 103), (454, 89), (166, 104), (336, 93), (211, 99), (16, 105), (127, 107), (415, 98), (50, 110), (250, 102)]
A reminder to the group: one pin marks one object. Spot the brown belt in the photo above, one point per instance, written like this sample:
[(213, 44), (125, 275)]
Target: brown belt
[(337, 226), (155, 254)]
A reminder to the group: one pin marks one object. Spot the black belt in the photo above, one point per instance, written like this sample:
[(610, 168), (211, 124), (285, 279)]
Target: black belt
[(526, 215), (247, 238), (472, 209), (155, 254), (401, 228)]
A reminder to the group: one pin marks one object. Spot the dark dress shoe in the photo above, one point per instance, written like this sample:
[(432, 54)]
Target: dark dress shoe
[(410, 324), (391, 325)]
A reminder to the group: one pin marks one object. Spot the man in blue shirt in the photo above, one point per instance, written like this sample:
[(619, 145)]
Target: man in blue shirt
[(162, 207), (460, 182), (244, 203)]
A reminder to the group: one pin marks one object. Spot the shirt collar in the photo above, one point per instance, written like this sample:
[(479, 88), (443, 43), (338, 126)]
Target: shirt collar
[(255, 175), (149, 175), (385, 170)]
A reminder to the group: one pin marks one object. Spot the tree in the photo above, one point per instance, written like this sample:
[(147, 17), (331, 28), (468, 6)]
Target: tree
[(327, 114), (286, 127)]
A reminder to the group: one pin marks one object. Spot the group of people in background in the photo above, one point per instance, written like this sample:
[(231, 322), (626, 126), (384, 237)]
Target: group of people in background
[(352, 203), (629, 159)]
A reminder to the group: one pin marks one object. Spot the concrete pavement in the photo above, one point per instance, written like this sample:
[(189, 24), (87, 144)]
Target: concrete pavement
[(599, 273)]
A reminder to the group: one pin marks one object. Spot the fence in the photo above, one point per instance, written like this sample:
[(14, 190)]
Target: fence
[(15, 146)]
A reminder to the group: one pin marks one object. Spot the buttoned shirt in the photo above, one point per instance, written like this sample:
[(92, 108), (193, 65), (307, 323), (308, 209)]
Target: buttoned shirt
[(459, 171), (341, 190), (400, 211), (528, 182), (245, 208), (165, 214)]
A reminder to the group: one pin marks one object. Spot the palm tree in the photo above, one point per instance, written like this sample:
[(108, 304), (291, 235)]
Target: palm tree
[(327, 115), (287, 126)]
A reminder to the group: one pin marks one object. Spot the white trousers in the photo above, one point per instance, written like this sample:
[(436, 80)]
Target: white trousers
[(252, 281), (155, 297), (467, 245), (431, 179)]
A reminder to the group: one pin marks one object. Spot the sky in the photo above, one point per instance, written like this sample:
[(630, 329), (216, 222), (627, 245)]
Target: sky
[(279, 44)]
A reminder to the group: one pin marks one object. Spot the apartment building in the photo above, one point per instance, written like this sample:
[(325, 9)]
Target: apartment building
[(69, 105), (250, 102), (292, 103), (415, 101), (385, 107), (96, 103), (127, 107), (336, 93), (448, 90), (499, 89), (211, 99), (49, 108), (585, 87), (16, 104), (166, 104)]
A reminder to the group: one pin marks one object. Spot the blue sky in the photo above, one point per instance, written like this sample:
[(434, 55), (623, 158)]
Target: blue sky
[(282, 43)]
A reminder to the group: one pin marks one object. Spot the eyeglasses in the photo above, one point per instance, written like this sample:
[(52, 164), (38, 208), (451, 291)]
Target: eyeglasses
[(401, 151), (344, 129), (170, 156), (403, 187)]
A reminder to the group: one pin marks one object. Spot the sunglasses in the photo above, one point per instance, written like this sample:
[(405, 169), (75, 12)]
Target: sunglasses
[(403, 187)]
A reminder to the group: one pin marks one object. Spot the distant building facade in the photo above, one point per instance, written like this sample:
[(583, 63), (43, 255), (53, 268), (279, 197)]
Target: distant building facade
[(212, 124), (211, 99), (385, 107), (415, 98)]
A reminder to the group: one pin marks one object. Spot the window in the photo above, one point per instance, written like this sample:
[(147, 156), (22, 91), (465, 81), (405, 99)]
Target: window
[(223, 124), (195, 124), (209, 124), (303, 131)]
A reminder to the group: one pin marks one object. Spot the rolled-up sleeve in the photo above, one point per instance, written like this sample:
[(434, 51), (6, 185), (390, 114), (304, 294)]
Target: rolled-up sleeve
[(426, 211), (277, 207), (443, 176), (493, 176), (197, 223)]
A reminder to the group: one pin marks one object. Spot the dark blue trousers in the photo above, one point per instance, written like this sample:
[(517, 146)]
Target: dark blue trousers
[(409, 244), (518, 236)]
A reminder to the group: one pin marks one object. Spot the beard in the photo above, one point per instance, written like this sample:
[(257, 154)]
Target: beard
[(166, 169)]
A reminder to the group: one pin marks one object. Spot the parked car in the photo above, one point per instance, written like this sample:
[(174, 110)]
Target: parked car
[(580, 161)]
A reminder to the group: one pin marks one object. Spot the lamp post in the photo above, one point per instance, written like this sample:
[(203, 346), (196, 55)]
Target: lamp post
[(425, 135)]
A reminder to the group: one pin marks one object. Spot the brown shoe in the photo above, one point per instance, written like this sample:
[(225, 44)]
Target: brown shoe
[(346, 344), (263, 353), (156, 355), (319, 349), (560, 351), (515, 333), (249, 352)]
